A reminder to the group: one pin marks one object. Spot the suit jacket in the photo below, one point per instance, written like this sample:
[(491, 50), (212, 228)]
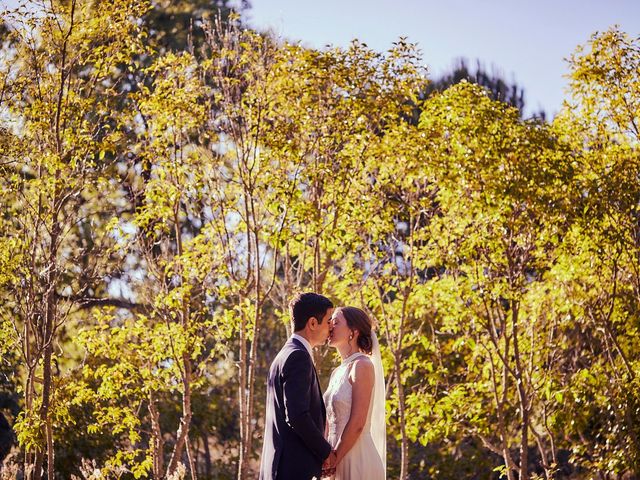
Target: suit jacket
[(294, 444)]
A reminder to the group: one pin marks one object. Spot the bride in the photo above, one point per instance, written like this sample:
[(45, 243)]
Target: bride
[(355, 399)]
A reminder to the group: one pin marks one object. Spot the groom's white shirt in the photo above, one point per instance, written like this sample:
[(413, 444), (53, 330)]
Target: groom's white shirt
[(305, 342)]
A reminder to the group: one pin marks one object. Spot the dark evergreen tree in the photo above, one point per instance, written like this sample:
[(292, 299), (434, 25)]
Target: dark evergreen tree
[(499, 89)]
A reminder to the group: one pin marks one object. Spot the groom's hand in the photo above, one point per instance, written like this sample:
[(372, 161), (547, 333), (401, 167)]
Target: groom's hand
[(329, 465)]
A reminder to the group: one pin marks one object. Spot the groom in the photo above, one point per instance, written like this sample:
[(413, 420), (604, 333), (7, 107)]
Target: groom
[(294, 444)]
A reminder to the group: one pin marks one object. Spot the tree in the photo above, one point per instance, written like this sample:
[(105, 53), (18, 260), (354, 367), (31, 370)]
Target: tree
[(50, 166), (160, 206), (497, 228), (498, 88), (600, 275)]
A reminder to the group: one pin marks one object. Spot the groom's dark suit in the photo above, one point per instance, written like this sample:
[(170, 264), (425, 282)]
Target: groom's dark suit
[(294, 445)]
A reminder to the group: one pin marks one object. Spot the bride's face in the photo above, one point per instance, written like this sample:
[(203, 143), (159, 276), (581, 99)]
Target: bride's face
[(339, 331)]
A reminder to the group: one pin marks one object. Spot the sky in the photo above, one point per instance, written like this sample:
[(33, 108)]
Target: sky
[(527, 41)]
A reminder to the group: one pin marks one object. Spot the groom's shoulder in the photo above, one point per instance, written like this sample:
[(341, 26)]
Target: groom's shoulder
[(292, 345), (291, 350)]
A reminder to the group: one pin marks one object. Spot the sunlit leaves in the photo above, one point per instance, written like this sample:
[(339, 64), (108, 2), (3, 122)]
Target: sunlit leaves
[(235, 176)]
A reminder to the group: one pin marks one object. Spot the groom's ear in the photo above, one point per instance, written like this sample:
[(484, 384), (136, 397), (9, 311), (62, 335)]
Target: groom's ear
[(313, 323)]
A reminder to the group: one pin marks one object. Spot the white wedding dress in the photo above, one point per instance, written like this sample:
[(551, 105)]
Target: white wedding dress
[(365, 459)]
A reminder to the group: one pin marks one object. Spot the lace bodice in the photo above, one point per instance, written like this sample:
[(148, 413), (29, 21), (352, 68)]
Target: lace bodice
[(363, 461), (337, 399)]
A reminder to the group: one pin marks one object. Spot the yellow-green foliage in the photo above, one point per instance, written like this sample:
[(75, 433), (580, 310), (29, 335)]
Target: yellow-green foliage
[(169, 205)]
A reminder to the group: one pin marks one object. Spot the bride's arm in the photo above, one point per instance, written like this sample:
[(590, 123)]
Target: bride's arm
[(362, 380)]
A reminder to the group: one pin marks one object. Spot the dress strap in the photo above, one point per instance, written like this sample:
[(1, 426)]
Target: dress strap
[(353, 357)]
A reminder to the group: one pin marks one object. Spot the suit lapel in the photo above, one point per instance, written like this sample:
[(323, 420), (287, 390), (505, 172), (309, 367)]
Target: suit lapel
[(299, 344), (324, 410)]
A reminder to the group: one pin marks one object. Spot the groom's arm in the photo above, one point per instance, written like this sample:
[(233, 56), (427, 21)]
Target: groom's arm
[(297, 375)]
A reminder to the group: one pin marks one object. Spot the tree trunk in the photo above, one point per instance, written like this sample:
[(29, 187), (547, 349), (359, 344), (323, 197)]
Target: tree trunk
[(156, 436), (207, 454), (404, 449), (49, 325), (29, 457), (397, 355), (248, 387), (47, 385), (522, 397), (241, 398), (185, 422)]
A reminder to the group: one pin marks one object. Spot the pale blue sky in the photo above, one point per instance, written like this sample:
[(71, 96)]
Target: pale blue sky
[(525, 40)]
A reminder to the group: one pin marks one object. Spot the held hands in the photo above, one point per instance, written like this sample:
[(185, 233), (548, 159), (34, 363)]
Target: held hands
[(329, 465)]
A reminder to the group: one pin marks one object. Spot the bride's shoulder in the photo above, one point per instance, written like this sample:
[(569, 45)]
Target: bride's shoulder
[(362, 368), (363, 361)]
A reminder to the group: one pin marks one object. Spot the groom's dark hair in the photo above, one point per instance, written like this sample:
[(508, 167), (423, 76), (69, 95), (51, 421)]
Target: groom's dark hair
[(306, 305)]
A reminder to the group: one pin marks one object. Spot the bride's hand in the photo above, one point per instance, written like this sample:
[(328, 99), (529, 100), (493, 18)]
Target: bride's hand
[(329, 466), (328, 473)]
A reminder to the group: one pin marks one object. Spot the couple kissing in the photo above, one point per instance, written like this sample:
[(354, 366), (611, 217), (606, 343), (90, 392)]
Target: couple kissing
[(341, 434)]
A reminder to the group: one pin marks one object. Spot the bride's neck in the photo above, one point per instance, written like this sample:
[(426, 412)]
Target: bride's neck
[(347, 350)]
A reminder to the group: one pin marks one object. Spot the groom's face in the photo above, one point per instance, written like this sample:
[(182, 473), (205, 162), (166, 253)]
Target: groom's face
[(323, 327)]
